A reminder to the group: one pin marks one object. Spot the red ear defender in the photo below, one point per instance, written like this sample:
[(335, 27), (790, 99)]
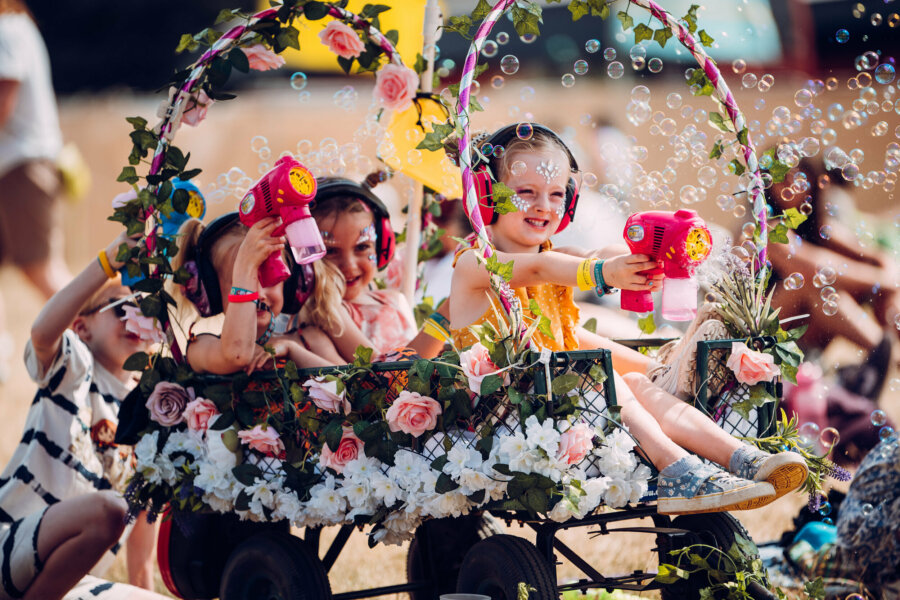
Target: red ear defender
[(484, 189), (571, 204), (385, 242)]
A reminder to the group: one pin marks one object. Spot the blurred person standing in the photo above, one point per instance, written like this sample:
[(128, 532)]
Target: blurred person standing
[(30, 182)]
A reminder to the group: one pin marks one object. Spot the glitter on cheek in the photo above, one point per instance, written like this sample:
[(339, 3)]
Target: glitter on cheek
[(371, 257), (560, 210), (520, 204)]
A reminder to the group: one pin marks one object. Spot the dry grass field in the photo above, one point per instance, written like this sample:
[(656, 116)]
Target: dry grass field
[(97, 125)]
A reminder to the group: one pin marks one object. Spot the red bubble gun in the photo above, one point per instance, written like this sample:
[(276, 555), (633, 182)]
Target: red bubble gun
[(285, 191), (679, 240)]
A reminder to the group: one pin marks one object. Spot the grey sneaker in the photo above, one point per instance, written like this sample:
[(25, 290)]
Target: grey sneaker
[(786, 471), (690, 486)]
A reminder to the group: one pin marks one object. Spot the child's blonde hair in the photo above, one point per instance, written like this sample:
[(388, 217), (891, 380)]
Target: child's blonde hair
[(539, 141), (324, 305)]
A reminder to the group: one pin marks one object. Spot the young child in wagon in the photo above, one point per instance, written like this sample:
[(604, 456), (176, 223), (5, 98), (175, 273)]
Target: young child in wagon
[(61, 512), (541, 171)]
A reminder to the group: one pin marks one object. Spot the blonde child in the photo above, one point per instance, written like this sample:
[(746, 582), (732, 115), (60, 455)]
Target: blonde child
[(541, 171), (60, 508), (356, 228), (224, 260)]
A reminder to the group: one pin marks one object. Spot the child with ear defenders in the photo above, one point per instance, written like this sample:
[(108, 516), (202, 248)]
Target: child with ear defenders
[(224, 260), (359, 241), (61, 514), (540, 171)]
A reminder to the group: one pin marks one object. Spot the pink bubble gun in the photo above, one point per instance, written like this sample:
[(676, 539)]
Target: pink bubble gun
[(285, 191), (680, 241)]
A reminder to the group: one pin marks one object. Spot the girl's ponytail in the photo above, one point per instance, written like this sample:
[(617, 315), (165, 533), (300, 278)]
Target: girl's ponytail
[(324, 304)]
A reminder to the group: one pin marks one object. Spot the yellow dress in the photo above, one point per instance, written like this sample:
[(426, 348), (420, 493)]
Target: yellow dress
[(556, 303)]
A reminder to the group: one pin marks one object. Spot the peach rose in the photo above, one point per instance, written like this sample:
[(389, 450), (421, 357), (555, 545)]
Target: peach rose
[(575, 443), (124, 198), (166, 403), (324, 394), (197, 106), (198, 413), (476, 363), (413, 413), (749, 366), (395, 86), (350, 448), (146, 328), (263, 439), (342, 40), (262, 59)]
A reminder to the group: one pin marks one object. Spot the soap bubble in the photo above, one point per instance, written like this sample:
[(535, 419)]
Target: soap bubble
[(830, 308), (868, 60), (509, 64), (749, 80), (641, 94), (609, 54), (878, 417), (518, 168), (825, 509), (502, 38), (866, 510), (258, 142), (885, 73), (528, 38), (885, 432), (842, 36), (673, 100), (803, 98), (490, 49), (637, 51), (497, 82), (615, 70), (527, 93), (829, 437), (580, 67), (568, 80), (524, 131), (299, 80), (809, 433), (707, 176), (825, 232), (794, 281), (655, 65), (765, 83), (739, 66), (592, 46)]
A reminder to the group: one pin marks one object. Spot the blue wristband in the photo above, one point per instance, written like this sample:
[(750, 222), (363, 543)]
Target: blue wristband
[(602, 289)]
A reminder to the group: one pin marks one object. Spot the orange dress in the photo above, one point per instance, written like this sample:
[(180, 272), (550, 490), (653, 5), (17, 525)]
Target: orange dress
[(556, 302)]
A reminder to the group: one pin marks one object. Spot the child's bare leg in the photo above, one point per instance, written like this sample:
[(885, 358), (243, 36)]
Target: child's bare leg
[(317, 341), (73, 536), (655, 444), (684, 424)]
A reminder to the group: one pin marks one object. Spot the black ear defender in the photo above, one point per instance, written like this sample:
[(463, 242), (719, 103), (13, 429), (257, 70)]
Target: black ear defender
[(207, 277), (385, 242), (484, 183)]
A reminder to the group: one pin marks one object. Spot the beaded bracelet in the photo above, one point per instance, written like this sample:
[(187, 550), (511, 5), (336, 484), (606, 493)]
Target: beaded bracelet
[(601, 287)]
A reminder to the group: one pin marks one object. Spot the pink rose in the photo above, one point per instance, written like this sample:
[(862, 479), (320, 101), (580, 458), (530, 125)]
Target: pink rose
[(476, 363), (395, 86), (124, 198), (166, 403), (198, 413), (196, 109), (263, 439), (324, 394), (350, 448), (749, 366), (262, 59), (413, 413), (146, 328), (342, 40), (575, 443)]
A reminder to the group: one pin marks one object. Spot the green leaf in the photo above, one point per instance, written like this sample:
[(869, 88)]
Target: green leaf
[(482, 9), (491, 384), (247, 473), (333, 433), (564, 384), (445, 484), (691, 18), (434, 139), (661, 36), (793, 218), (578, 8), (128, 175), (137, 122), (314, 10), (137, 362), (706, 39), (789, 352), (503, 269), (544, 324), (187, 42), (719, 121), (370, 11), (502, 195), (597, 373), (737, 167), (239, 60), (717, 149), (151, 306), (670, 574), (743, 136), (779, 234), (186, 175), (591, 325), (642, 32), (625, 19), (815, 589), (527, 20), (757, 398), (461, 25), (647, 324)]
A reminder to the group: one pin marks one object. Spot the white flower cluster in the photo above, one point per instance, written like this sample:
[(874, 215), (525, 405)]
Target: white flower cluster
[(408, 487)]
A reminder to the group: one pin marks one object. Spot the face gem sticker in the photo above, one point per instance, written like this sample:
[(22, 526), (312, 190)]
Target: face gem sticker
[(521, 205), (367, 234), (548, 169)]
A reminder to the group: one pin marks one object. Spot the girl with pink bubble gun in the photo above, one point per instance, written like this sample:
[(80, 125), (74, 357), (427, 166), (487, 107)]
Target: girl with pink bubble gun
[(542, 172)]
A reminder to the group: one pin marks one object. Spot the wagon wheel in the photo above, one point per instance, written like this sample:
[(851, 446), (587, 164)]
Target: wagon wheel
[(714, 529), (274, 566), (448, 540), (497, 565)]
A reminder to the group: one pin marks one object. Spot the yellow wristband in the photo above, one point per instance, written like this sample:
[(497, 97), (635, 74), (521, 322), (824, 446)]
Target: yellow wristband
[(104, 264), (586, 274), (436, 330)]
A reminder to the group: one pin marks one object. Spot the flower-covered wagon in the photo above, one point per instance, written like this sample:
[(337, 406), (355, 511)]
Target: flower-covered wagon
[(419, 450)]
